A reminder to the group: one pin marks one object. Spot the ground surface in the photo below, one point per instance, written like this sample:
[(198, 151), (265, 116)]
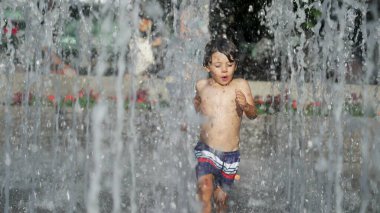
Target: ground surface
[(287, 165)]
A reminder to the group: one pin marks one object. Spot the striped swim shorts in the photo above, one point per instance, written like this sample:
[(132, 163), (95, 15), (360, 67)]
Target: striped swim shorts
[(223, 165)]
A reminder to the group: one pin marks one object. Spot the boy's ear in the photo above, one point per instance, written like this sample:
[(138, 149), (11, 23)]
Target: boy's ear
[(206, 68)]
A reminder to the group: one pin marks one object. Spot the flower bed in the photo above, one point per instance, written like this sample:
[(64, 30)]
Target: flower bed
[(84, 98), (353, 104)]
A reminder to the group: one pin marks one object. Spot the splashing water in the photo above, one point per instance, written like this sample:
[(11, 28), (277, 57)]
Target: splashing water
[(104, 158), (101, 158), (331, 159)]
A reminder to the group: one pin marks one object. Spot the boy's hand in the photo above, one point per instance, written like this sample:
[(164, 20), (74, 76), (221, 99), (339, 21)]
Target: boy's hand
[(240, 99)]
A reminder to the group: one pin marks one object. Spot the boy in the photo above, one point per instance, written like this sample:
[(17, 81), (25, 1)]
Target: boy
[(222, 100)]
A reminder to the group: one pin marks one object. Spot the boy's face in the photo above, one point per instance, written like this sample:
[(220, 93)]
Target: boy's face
[(221, 69), (145, 25)]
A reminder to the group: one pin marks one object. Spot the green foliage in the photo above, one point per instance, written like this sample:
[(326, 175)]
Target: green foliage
[(312, 14), (354, 109), (312, 17)]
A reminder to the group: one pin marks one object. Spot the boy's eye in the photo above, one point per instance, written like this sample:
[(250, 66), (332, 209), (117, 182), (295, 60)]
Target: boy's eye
[(218, 65)]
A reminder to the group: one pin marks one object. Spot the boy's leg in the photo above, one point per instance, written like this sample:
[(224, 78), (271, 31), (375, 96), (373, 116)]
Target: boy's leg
[(220, 198), (205, 191)]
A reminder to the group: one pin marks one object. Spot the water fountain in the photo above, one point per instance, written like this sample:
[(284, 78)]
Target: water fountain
[(328, 162), (103, 158), (99, 158)]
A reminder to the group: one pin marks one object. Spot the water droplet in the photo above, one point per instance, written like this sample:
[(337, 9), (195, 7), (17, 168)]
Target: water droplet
[(7, 159), (310, 143), (262, 13), (173, 205), (250, 8)]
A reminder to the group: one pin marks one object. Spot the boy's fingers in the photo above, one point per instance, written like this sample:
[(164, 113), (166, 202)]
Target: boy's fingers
[(239, 93), (239, 96)]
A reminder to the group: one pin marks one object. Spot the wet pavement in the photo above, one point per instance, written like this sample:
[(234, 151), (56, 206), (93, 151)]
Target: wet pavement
[(287, 165)]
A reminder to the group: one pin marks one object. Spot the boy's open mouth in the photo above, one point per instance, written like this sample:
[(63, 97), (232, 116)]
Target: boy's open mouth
[(224, 78)]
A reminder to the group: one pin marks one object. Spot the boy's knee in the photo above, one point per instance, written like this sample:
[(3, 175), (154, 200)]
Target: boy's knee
[(205, 188)]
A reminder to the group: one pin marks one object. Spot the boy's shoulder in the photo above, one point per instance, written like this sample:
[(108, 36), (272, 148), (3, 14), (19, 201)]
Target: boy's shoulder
[(201, 83), (239, 81)]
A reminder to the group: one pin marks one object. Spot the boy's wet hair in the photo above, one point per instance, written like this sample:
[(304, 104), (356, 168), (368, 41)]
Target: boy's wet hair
[(223, 46), (143, 15)]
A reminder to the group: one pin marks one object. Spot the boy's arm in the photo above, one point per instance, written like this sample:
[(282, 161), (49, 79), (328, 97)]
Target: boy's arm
[(197, 100), (245, 100), (250, 111)]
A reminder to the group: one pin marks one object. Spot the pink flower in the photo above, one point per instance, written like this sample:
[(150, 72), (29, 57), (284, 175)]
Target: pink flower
[(51, 98), (268, 99), (294, 104), (69, 98), (14, 30), (142, 96), (258, 100), (94, 95), (317, 104), (81, 93), (17, 98)]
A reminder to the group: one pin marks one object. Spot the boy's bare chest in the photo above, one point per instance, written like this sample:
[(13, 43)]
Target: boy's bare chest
[(219, 100)]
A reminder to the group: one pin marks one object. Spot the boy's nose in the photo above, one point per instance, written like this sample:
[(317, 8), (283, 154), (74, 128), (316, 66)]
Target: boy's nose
[(224, 68)]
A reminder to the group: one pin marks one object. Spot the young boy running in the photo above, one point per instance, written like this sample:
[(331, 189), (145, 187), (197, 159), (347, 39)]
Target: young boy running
[(222, 100)]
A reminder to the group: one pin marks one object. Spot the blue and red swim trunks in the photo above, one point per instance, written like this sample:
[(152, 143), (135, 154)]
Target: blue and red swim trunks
[(223, 165)]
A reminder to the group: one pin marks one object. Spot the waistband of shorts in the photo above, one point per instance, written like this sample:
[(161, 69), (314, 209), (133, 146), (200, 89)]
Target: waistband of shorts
[(207, 147)]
